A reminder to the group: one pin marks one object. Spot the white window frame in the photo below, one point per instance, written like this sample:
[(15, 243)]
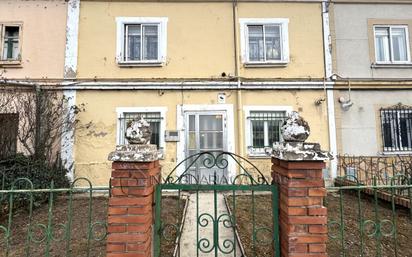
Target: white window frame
[(248, 126), (182, 126), (2, 35), (162, 39), (391, 61), (160, 109), (244, 39)]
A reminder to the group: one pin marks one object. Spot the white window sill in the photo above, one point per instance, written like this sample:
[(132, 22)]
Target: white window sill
[(396, 153), (265, 64), (392, 65), (11, 63), (141, 64), (259, 154)]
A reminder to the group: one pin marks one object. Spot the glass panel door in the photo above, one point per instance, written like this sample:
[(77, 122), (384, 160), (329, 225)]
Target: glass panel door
[(206, 132)]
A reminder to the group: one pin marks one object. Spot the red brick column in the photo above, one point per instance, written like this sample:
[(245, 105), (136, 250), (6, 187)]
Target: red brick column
[(302, 216), (131, 208)]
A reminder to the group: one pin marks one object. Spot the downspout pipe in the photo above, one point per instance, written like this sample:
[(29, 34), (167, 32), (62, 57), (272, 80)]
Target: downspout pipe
[(329, 92), (239, 104)]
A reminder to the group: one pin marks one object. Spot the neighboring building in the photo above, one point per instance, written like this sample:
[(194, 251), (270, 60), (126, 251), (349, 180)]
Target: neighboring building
[(33, 39), (32, 52), (207, 75), (372, 63)]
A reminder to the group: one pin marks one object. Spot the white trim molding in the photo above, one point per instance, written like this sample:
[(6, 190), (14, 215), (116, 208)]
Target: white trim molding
[(284, 35), (333, 147), (70, 72), (67, 141), (160, 109), (72, 35), (248, 135), (162, 40), (230, 123)]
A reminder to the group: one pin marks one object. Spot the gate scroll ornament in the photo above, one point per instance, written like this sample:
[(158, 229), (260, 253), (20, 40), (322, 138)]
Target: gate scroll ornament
[(249, 178)]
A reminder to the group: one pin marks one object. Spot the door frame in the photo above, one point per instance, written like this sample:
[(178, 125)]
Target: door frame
[(181, 126)]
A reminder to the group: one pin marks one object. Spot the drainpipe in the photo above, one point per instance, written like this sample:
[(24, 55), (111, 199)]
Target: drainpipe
[(239, 104), (329, 92), (70, 73)]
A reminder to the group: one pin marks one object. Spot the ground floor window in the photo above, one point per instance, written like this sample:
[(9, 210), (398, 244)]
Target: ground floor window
[(396, 124), (263, 129), (154, 116), (9, 123)]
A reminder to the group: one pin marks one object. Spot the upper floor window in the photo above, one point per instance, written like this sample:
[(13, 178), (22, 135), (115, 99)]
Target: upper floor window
[(396, 128), (141, 41), (391, 44), (10, 42), (9, 124), (264, 41)]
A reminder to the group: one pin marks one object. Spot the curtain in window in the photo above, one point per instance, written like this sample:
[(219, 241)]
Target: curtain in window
[(382, 44), (397, 129), (272, 39), (405, 122), (256, 48), (133, 38), (150, 42), (399, 44)]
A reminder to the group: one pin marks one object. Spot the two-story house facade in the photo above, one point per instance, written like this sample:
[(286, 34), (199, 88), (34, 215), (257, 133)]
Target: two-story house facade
[(207, 76), (373, 74)]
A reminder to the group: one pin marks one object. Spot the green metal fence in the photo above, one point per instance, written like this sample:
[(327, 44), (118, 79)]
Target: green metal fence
[(369, 220), (53, 221)]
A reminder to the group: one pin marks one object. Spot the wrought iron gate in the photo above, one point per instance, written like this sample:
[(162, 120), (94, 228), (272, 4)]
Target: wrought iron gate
[(220, 214)]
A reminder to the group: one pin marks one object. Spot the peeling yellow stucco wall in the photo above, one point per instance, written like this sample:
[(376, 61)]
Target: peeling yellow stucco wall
[(200, 41), (93, 144)]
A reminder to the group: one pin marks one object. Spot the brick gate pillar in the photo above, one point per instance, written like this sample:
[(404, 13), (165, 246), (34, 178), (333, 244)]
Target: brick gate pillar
[(135, 172), (297, 170)]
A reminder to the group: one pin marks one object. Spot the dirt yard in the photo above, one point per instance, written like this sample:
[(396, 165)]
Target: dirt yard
[(78, 243), (351, 232), (371, 245), (263, 219)]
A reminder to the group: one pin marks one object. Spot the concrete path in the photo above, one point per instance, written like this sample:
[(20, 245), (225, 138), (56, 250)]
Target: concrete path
[(188, 240)]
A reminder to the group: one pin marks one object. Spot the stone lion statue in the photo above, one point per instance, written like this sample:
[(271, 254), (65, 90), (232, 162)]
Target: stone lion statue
[(295, 128), (138, 131)]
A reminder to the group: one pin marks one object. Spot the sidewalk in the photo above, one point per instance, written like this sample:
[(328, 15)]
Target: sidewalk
[(189, 235)]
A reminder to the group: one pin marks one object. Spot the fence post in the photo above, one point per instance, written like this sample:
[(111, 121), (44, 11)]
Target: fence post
[(135, 172), (297, 170)]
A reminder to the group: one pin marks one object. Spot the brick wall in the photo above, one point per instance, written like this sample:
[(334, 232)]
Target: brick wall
[(302, 216), (131, 209)]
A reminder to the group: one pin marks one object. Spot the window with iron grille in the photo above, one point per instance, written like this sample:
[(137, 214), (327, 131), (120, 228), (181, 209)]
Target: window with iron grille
[(396, 128), (9, 123), (265, 129), (153, 118)]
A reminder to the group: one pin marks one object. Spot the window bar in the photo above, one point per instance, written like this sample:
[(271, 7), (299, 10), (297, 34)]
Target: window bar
[(142, 29), (264, 42), (126, 40), (391, 58), (382, 129)]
